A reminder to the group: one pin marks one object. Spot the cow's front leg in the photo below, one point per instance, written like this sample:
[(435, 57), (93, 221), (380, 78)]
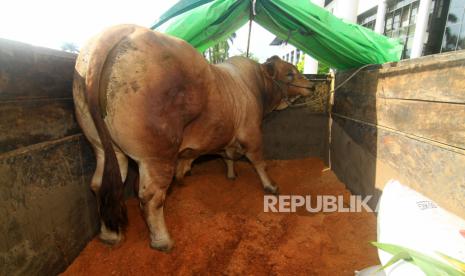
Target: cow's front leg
[(155, 178), (256, 157)]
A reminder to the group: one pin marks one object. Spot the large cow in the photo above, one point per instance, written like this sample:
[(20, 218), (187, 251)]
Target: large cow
[(154, 98)]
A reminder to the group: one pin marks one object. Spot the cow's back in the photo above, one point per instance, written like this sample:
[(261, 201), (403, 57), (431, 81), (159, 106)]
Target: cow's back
[(151, 86)]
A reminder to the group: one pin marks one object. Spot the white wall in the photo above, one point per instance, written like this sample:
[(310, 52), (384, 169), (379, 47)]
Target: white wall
[(311, 64), (345, 9), (349, 9), (320, 3), (364, 5), (283, 50), (419, 38)]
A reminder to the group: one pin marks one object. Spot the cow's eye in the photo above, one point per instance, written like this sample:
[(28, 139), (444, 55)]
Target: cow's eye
[(290, 76)]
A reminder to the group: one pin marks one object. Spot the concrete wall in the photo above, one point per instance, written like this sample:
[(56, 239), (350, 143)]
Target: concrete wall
[(47, 211), (405, 121)]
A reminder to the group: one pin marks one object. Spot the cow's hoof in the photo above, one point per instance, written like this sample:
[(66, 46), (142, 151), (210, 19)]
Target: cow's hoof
[(271, 190), (162, 245), (231, 177), (110, 238)]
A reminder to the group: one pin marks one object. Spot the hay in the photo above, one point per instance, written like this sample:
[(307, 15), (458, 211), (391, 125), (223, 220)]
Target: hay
[(318, 100)]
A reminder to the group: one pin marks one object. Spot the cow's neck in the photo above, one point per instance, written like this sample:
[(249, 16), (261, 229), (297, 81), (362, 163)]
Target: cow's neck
[(266, 90), (271, 94)]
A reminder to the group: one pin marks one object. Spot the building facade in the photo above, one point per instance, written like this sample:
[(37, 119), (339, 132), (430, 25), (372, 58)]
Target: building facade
[(424, 26)]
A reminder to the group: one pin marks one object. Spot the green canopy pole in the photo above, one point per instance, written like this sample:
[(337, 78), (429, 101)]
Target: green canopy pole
[(251, 15)]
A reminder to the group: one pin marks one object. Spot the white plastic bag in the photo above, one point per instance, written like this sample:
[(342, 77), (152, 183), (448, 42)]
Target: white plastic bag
[(409, 219)]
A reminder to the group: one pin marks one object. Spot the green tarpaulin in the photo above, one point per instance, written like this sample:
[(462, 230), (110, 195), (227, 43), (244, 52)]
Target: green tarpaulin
[(312, 29)]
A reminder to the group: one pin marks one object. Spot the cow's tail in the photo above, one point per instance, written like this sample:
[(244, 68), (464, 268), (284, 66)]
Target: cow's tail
[(112, 208)]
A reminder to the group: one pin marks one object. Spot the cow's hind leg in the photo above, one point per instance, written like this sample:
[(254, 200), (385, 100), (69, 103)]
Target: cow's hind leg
[(155, 178), (107, 235), (230, 173), (183, 168), (229, 155)]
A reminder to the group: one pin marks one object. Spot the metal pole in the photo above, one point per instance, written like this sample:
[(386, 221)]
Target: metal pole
[(332, 76), (250, 27), (420, 28), (380, 16)]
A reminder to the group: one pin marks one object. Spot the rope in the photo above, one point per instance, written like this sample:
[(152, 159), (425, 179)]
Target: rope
[(353, 75)]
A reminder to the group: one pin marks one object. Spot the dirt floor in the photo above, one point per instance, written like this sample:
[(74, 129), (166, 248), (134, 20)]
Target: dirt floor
[(220, 228)]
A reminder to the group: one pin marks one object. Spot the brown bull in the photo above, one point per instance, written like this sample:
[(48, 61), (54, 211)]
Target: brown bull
[(155, 99)]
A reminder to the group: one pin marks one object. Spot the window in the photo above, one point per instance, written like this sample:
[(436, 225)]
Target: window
[(368, 18), (405, 16), (287, 57), (327, 2), (400, 22), (454, 32), (292, 57), (388, 25), (413, 14), (436, 26), (297, 56), (396, 21)]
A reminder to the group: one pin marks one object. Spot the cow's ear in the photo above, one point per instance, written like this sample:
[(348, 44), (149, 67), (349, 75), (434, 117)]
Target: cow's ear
[(273, 58), (270, 69), (282, 105)]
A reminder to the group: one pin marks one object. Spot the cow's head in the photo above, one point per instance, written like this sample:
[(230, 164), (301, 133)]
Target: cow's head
[(287, 80)]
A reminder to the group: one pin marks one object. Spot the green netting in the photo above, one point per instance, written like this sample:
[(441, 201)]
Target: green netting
[(308, 27)]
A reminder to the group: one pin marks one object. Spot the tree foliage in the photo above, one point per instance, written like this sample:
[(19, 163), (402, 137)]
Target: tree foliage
[(220, 52), (301, 64), (252, 56), (323, 68)]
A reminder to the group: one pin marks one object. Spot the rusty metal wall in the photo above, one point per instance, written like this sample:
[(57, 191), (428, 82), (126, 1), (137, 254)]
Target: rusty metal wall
[(47, 211), (404, 121), (36, 103), (301, 130)]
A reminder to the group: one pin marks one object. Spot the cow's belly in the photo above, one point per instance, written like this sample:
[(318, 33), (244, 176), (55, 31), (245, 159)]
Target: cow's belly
[(222, 126), (206, 137)]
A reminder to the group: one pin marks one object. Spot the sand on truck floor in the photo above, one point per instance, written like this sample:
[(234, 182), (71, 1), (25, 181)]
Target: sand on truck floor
[(220, 228)]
